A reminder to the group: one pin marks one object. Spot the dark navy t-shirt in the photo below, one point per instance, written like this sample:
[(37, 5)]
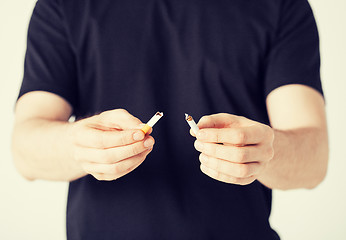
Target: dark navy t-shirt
[(176, 56)]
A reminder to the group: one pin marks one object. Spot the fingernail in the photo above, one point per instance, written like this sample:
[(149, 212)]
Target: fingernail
[(138, 136), (199, 145), (148, 143), (201, 135)]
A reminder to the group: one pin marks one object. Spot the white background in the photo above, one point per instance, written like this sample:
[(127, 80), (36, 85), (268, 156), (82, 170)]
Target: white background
[(36, 210)]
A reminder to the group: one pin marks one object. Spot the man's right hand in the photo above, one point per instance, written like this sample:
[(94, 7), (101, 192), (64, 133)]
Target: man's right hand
[(111, 144)]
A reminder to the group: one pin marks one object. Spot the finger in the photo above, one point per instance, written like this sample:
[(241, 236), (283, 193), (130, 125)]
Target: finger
[(238, 135), (226, 178), (192, 133), (113, 155), (230, 153), (116, 169), (239, 170), (115, 119), (111, 177), (95, 138), (220, 120)]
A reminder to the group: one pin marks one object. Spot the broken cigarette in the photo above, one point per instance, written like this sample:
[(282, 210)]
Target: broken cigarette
[(191, 123), (152, 122)]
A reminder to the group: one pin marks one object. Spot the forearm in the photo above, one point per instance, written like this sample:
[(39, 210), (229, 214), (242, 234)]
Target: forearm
[(300, 159), (42, 149)]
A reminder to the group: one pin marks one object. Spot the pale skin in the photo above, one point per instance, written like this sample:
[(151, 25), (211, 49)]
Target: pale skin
[(291, 153), (107, 146)]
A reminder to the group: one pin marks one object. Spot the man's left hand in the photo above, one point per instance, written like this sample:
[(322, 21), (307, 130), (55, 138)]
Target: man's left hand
[(233, 149)]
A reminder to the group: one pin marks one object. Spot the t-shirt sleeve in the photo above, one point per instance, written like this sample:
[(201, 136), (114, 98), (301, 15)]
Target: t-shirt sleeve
[(294, 57), (49, 61)]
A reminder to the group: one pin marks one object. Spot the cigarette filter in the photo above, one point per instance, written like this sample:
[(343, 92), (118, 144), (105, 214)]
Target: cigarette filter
[(152, 122), (191, 123)]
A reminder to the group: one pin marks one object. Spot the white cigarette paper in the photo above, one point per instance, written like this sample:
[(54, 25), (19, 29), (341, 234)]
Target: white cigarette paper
[(146, 128), (155, 119), (191, 123)]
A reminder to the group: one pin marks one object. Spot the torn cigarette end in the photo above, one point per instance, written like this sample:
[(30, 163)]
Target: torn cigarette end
[(152, 122), (191, 123)]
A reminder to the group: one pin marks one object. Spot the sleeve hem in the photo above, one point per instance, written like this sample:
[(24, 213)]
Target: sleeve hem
[(55, 90), (272, 88)]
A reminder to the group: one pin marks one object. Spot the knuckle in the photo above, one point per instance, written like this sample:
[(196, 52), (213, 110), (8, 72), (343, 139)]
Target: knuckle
[(117, 168), (107, 156), (241, 182), (108, 178), (240, 137), (247, 181), (144, 154), (195, 144), (98, 177), (244, 171), (99, 140), (203, 158), (213, 165), (212, 149), (129, 169), (208, 171), (136, 149), (103, 139), (242, 155), (218, 165), (201, 167), (216, 174), (218, 138), (200, 157), (232, 180), (135, 164), (229, 179), (205, 169), (238, 180), (123, 138), (225, 178)]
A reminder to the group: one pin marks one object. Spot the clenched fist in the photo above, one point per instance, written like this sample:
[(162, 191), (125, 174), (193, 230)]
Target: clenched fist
[(111, 144), (233, 149)]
